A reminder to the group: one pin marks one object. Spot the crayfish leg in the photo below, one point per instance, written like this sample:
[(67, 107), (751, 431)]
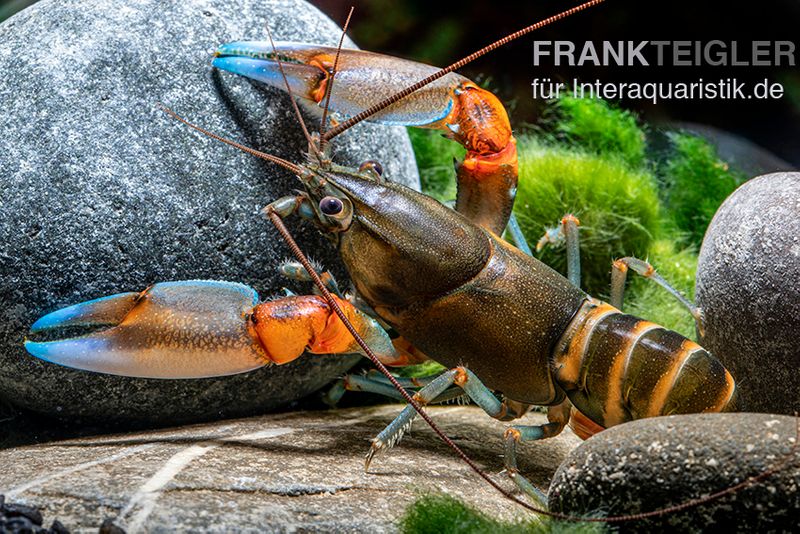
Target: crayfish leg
[(557, 416), (436, 390)]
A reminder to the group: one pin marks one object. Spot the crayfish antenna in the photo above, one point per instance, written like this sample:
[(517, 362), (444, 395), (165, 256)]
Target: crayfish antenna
[(296, 169), (329, 89), (314, 144)]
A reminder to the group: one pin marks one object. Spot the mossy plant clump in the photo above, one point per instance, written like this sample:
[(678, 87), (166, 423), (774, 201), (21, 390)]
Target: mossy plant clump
[(618, 206), (442, 514), (420, 370), (593, 164), (696, 183), (599, 128)]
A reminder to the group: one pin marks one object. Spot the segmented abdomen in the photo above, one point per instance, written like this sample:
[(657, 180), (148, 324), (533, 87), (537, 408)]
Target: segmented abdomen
[(616, 367)]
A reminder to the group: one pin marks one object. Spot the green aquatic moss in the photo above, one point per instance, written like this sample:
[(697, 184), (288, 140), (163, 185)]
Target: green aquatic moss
[(420, 370), (791, 83), (618, 206), (443, 514), (600, 128), (696, 183)]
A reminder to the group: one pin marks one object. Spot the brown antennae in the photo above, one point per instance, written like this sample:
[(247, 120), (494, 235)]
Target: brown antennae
[(329, 88), (263, 155), (276, 220), (457, 65), (311, 144)]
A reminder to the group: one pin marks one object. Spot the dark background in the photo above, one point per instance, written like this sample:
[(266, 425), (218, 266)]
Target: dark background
[(442, 31)]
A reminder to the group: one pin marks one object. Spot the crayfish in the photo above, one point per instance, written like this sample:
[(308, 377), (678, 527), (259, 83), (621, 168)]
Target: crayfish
[(429, 281)]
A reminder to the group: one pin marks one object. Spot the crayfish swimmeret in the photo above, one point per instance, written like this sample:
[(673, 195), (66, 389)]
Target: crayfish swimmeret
[(441, 279)]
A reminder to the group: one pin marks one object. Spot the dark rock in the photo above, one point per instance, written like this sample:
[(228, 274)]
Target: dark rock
[(103, 193), (28, 512), (19, 525), (19, 518), (653, 463), (108, 527), (748, 287), (291, 472)]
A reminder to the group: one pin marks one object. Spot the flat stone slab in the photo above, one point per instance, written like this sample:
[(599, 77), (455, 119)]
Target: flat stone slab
[(277, 473)]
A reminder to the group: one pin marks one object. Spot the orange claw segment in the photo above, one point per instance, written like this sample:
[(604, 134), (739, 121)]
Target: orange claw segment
[(323, 62), (335, 338), (487, 186), (485, 166), (478, 120), (289, 326), (487, 178)]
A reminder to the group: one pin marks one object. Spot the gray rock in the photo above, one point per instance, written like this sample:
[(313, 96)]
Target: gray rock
[(103, 193), (277, 473), (653, 463), (748, 285)]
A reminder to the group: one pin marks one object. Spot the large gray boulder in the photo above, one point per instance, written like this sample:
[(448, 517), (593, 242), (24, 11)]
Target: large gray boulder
[(649, 464), (748, 285), (103, 193), (293, 472)]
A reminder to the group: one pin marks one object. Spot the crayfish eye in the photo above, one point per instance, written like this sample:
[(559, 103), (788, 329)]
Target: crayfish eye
[(373, 166), (331, 206)]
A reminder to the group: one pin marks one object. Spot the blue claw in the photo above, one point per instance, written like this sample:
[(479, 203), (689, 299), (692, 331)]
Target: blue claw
[(255, 60), (361, 79), (267, 72), (87, 353), (103, 311), (189, 329)]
